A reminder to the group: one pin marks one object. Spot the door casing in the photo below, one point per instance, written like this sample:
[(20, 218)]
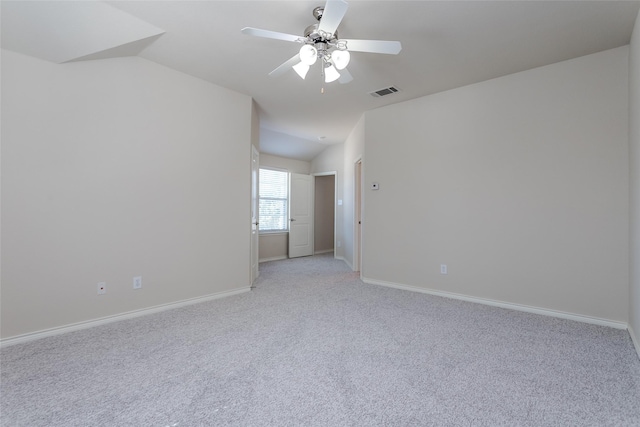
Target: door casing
[(255, 169)]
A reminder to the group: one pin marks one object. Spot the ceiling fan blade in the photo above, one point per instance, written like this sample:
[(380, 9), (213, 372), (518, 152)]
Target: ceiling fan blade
[(345, 76), (373, 46), (333, 13), (270, 34), (285, 66)]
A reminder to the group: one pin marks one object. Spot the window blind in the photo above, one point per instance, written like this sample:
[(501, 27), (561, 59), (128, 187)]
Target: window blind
[(274, 200)]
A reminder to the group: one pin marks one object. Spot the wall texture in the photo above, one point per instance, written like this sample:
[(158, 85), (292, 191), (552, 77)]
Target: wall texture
[(519, 184), (330, 160), (113, 169), (273, 246), (291, 165), (634, 164)]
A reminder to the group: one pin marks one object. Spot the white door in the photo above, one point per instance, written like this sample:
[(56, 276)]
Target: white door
[(300, 215), (255, 164)]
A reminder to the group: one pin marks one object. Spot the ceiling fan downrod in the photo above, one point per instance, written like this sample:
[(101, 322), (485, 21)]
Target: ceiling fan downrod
[(317, 12)]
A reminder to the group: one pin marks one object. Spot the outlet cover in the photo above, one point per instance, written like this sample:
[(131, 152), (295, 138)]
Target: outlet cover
[(102, 288), (137, 282), (443, 268)]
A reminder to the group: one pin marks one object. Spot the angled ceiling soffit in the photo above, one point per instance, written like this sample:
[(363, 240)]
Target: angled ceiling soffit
[(61, 31)]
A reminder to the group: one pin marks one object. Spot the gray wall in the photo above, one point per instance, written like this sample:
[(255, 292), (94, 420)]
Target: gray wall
[(113, 169), (519, 184), (273, 246)]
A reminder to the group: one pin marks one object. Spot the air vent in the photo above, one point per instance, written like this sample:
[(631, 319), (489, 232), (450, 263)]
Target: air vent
[(382, 92)]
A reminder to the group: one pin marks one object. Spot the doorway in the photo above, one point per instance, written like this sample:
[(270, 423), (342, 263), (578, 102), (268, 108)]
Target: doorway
[(324, 213)]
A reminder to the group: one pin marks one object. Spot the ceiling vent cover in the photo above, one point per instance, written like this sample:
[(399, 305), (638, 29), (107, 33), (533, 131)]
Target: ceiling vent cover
[(382, 92)]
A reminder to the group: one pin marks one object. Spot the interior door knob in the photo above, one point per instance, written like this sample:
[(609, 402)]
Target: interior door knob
[(292, 219)]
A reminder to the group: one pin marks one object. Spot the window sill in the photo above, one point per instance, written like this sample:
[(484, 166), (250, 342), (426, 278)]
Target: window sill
[(272, 233)]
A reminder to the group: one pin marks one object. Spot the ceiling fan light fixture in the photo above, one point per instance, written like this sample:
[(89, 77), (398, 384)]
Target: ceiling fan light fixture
[(340, 58), (302, 69), (321, 42), (308, 54), (331, 74)]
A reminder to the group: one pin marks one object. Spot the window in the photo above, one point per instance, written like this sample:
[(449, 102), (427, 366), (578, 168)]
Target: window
[(274, 200)]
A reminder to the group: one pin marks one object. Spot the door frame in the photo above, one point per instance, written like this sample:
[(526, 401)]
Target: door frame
[(254, 269), (335, 206), (358, 194)]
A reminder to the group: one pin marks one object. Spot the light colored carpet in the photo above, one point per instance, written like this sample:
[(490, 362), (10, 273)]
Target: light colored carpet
[(313, 345)]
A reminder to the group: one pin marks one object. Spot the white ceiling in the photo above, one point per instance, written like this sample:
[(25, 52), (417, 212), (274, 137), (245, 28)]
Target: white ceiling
[(445, 44)]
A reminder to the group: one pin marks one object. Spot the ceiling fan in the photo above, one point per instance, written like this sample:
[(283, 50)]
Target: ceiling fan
[(321, 42)]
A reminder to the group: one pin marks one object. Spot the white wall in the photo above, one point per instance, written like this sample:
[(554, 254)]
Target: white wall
[(519, 184), (291, 165), (255, 127), (285, 145), (353, 151), (112, 169), (634, 164), (332, 160)]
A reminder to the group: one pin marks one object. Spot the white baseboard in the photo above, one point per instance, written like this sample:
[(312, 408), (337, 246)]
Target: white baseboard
[(275, 258), (508, 305), (324, 251), (635, 340), (19, 339)]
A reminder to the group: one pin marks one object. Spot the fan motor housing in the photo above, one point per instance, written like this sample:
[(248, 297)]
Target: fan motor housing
[(311, 32)]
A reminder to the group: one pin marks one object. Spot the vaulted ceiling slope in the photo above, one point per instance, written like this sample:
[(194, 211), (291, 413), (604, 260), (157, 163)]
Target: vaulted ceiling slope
[(445, 44)]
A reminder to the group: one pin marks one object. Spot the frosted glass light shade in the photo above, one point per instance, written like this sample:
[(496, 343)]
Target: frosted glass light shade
[(340, 58), (302, 69), (308, 54), (331, 74)]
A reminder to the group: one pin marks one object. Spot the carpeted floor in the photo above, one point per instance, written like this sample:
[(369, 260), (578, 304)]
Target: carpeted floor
[(312, 345)]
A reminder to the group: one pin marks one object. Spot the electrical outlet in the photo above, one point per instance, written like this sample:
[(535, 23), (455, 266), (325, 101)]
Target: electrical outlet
[(443, 268), (137, 282), (102, 288)]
